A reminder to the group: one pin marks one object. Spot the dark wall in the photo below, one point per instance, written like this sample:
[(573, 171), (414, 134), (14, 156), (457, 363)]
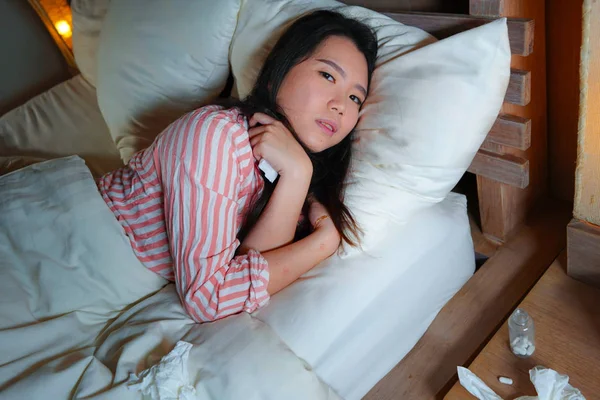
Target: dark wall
[(30, 61)]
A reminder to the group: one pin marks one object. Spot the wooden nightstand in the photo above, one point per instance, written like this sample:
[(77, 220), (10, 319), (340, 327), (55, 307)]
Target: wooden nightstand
[(566, 314)]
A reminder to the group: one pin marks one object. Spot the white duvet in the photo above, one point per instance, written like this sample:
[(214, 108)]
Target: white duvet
[(68, 329)]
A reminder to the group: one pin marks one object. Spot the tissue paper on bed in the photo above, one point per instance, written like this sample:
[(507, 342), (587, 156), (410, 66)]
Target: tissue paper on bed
[(167, 380), (549, 385)]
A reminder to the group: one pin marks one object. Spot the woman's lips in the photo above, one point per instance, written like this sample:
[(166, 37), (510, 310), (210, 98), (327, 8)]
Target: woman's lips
[(329, 127)]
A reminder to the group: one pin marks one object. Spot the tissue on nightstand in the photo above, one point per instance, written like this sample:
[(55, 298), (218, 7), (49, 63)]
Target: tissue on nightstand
[(475, 385), (549, 385)]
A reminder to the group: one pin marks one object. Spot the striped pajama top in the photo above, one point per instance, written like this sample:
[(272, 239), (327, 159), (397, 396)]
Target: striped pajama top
[(181, 203)]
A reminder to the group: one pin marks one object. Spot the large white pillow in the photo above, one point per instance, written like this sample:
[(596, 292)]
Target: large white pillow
[(62, 121), (88, 17), (428, 113), (262, 22), (429, 108), (158, 60)]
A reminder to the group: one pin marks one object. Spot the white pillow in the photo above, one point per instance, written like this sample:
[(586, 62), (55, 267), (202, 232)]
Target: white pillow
[(262, 22), (88, 17), (61, 121), (157, 61), (428, 111)]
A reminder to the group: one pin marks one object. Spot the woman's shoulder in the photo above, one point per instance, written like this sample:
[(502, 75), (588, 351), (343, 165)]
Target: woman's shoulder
[(220, 113), (213, 125)]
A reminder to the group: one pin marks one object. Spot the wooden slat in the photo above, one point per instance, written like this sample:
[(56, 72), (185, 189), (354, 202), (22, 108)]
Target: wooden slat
[(512, 131), (503, 207), (481, 243), (504, 168), (519, 87), (520, 30), (486, 7), (466, 322)]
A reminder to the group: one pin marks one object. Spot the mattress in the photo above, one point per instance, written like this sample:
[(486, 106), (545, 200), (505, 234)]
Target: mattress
[(375, 319)]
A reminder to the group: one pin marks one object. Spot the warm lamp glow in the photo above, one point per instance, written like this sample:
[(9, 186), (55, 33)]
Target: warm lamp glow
[(63, 28)]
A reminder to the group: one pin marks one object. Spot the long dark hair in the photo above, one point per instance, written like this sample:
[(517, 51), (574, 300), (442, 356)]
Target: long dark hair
[(330, 166)]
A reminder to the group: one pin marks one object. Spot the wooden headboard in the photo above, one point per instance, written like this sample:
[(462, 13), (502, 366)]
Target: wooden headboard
[(510, 165)]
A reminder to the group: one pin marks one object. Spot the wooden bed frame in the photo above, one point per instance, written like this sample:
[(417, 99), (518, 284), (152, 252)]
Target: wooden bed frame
[(511, 174)]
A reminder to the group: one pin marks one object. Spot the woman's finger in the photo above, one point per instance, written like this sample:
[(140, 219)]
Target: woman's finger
[(252, 122), (254, 141), (256, 151), (257, 130), (262, 118)]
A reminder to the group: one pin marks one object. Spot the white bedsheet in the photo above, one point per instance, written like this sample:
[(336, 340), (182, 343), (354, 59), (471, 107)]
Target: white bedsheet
[(385, 331), (354, 319)]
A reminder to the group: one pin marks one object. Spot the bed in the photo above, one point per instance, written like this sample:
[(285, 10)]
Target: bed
[(371, 328), (371, 336)]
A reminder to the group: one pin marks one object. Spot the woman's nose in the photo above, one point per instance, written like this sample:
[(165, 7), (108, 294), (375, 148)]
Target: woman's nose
[(337, 105)]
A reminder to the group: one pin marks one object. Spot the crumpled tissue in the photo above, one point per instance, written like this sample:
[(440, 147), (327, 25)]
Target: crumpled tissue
[(549, 385), (167, 380)]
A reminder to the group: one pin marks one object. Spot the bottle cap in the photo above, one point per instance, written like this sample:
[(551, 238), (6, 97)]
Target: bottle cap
[(520, 317)]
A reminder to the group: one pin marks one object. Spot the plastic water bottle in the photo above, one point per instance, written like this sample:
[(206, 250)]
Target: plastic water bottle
[(521, 333)]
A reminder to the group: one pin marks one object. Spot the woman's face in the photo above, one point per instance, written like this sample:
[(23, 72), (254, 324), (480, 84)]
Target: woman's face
[(321, 96)]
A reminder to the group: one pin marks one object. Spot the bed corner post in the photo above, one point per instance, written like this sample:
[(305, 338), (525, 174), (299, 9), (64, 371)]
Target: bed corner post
[(520, 169)]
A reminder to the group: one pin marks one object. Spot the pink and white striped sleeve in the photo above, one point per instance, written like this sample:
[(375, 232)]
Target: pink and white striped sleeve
[(202, 177)]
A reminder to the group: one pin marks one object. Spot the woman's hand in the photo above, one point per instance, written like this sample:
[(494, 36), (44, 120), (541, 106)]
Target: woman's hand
[(288, 263), (271, 140), (321, 222)]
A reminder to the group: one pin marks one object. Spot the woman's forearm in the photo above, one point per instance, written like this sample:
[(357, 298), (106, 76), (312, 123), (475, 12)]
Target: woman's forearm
[(277, 224), (288, 263)]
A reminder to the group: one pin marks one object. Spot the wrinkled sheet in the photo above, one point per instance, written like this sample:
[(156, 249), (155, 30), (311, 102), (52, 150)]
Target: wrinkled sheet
[(79, 313)]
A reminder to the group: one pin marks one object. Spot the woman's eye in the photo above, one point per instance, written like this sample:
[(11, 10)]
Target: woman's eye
[(356, 100), (327, 76)]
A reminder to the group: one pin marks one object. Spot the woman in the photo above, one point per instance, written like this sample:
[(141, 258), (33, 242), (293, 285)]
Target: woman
[(194, 204)]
